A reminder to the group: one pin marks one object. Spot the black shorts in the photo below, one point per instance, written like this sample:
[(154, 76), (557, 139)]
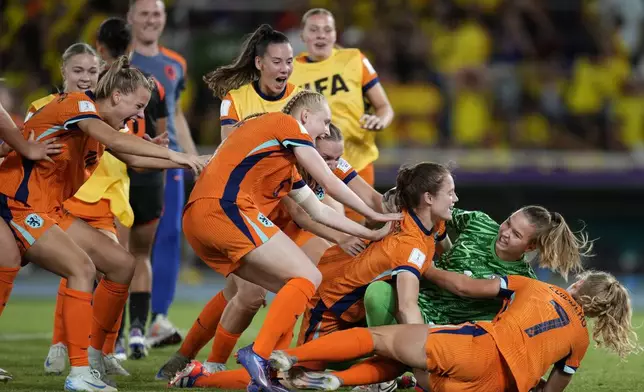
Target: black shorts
[(146, 202)]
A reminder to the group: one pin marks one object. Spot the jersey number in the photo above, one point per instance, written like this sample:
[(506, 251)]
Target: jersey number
[(559, 322)]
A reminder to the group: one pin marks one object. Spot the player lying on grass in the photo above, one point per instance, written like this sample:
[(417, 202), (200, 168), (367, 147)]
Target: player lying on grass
[(482, 249), (539, 325)]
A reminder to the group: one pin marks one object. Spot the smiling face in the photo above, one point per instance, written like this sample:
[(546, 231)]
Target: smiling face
[(319, 35), (316, 119), (147, 18), (127, 106), (80, 73), (442, 203), (516, 235), (275, 67)]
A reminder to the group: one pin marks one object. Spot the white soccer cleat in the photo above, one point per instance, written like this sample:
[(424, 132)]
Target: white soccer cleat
[(297, 378), (388, 386), (137, 345), (5, 376), (113, 366), (85, 379), (57, 359), (97, 363), (120, 353), (281, 361), (214, 367), (162, 333)]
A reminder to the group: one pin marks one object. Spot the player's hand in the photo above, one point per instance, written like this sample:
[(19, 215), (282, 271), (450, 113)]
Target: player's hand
[(191, 161), (389, 201), (382, 232), (205, 159), (352, 245), (37, 151), (372, 122), (162, 140)]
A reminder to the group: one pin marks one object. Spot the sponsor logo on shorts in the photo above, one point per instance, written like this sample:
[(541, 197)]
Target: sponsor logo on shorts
[(34, 221)]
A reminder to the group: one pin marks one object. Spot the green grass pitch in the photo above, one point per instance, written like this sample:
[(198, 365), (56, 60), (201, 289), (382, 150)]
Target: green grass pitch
[(25, 330)]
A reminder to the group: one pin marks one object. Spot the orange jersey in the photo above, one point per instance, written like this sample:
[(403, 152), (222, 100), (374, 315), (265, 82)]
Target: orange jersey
[(255, 163), (345, 278), (539, 325), (343, 171), (42, 185)]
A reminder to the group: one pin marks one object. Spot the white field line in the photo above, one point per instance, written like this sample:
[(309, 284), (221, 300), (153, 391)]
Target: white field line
[(18, 337)]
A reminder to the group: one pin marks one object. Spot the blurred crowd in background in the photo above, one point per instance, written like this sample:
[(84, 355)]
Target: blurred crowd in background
[(557, 74)]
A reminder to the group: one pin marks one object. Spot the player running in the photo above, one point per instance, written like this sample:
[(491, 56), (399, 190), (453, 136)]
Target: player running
[(347, 79), (539, 325), (31, 201)]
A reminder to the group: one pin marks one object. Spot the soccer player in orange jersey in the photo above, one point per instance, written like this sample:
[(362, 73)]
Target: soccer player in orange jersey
[(32, 194), (226, 220), (540, 325)]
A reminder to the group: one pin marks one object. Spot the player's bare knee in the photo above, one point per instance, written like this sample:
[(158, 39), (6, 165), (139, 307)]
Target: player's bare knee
[(250, 296), (83, 270), (122, 266)]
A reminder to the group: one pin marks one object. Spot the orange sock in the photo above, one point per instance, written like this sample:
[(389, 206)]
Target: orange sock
[(204, 328), (59, 328), (7, 276), (289, 303), (285, 341), (373, 370), (335, 347), (110, 339), (229, 379), (77, 319), (109, 300), (223, 345)]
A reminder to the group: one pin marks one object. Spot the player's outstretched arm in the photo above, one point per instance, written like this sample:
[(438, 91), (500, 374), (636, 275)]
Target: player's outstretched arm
[(326, 215), (119, 142), (407, 287), (463, 285), (30, 149), (313, 163)]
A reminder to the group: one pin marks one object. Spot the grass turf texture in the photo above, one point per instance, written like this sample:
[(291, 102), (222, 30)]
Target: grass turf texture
[(25, 333)]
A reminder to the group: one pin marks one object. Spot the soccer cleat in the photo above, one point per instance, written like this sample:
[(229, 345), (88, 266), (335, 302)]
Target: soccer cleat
[(406, 381), (162, 333), (137, 345), (301, 379), (281, 361), (258, 367), (187, 377), (96, 363), (169, 369), (276, 386), (86, 379), (388, 386), (119, 350), (56, 360), (113, 366), (214, 367), (5, 376)]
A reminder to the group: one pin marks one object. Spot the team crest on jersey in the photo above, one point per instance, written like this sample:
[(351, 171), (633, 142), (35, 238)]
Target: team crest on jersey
[(319, 192), (343, 165), (264, 220), (170, 72), (417, 257), (34, 221)]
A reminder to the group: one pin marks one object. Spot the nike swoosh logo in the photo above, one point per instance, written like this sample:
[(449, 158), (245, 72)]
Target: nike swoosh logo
[(95, 386), (47, 363)]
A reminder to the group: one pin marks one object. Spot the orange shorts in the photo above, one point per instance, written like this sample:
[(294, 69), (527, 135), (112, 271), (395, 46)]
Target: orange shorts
[(98, 215), (367, 174), (465, 358), (28, 224), (320, 321), (221, 232)]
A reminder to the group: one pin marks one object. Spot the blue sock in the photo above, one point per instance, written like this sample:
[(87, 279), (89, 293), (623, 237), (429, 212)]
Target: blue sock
[(166, 251)]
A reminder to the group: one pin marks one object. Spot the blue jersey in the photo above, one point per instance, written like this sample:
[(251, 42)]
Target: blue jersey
[(169, 68)]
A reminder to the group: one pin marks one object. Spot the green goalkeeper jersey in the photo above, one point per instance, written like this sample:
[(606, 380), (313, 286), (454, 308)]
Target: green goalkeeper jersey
[(474, 255)]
